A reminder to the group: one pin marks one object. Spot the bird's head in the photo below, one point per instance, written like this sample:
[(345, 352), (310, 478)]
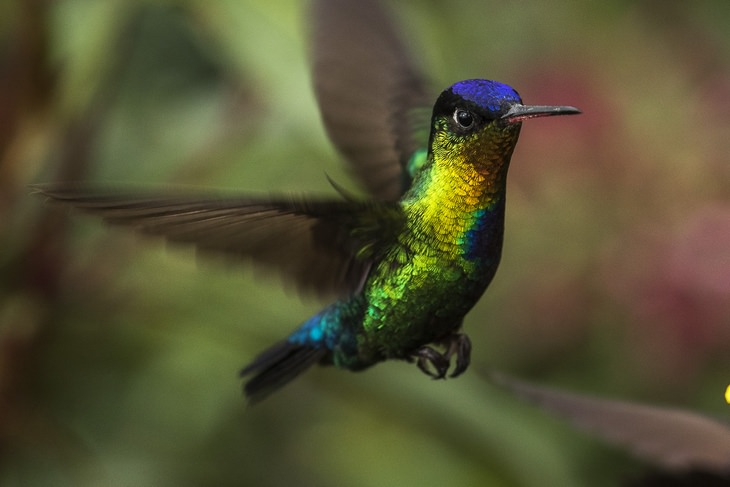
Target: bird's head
[(478, 121)]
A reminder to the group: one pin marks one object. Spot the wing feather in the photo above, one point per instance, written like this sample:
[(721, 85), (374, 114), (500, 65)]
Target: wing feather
[(368, 90), (671, 438), (317, 243)]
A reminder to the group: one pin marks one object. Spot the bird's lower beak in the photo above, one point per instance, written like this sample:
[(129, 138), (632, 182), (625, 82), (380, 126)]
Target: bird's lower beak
[(518, 112)]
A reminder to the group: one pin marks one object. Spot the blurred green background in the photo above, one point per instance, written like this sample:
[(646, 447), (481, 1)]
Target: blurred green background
[(118, 357)]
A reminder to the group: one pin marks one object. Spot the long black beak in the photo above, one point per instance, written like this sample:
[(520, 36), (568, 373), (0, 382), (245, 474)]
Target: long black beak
[(518, 113)]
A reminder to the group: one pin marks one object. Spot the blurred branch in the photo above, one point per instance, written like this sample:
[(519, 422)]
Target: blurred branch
[(31, 277), (26, 88)]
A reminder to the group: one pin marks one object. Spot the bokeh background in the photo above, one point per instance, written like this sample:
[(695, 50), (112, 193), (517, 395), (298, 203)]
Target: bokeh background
[(118, 357)]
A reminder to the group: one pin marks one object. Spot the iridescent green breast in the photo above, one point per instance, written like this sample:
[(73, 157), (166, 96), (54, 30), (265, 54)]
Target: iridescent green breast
[(451, 245)]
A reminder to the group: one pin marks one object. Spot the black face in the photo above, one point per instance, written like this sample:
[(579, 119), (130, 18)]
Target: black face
[(470, 105), (464, 116)]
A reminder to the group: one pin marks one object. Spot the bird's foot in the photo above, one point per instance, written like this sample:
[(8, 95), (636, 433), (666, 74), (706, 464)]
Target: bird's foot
[(426, 356), (436, 364), (459, 344)]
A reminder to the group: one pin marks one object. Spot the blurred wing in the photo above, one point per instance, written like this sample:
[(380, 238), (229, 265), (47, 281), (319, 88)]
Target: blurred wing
[(325, 246), (372, 99), (669, 438)]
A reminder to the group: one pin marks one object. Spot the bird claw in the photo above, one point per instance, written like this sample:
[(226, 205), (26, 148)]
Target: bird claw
[(428, 358), (427, 355), (461, 346)]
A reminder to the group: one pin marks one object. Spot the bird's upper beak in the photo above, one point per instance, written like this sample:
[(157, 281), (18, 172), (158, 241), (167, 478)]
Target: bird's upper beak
[(518, 113)]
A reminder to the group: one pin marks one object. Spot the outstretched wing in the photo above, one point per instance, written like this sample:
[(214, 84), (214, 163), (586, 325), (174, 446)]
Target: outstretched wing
[(372, 99), (325, 246), (669, 438)]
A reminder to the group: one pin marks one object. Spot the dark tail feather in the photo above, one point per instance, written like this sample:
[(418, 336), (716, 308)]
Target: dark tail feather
[(277, 366)]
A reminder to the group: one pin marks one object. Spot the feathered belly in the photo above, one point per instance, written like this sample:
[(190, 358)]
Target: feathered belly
[(418, 302)]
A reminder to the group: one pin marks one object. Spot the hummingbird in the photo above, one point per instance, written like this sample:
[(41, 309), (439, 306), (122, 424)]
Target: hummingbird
[(404, 265)]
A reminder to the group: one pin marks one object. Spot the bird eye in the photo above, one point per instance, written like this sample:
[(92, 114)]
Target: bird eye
[(463, 118)]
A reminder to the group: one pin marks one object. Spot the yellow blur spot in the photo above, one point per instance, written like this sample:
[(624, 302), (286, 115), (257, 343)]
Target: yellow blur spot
[(727, 395)]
